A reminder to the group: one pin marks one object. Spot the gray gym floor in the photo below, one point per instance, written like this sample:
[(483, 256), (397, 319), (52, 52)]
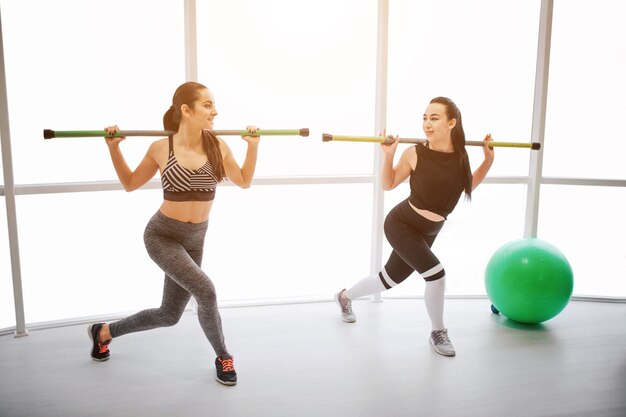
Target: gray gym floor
[(301, 360)]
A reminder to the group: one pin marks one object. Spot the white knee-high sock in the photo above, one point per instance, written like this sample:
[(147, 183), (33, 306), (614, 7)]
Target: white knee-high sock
[(366, 286), (433, 297)]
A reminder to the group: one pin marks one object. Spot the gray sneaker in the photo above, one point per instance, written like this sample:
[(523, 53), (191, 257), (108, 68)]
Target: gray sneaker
[(345, 305), (441, 342)]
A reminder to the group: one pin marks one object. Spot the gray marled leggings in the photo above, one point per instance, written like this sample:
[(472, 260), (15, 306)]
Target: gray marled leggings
[(177, 248)]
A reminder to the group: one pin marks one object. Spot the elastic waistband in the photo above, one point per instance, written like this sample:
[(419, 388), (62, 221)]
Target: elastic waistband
[(162, 220), (408, 208)]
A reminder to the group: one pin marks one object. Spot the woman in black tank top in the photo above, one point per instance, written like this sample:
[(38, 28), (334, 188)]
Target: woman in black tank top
[(439, 173)]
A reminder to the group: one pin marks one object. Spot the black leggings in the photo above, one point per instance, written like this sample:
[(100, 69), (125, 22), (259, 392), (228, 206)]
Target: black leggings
[(411, 237), (177, 248)]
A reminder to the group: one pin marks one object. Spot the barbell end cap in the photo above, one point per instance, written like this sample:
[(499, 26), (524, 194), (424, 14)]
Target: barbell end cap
[(48, 133), (535, 146), (304, 132), (327, 137)]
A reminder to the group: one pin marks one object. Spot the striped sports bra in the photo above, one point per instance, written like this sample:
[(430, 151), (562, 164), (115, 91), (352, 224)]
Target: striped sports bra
[(183, 184)]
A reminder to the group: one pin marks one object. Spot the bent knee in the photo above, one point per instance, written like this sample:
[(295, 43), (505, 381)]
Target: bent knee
[(169, 318), (206, 294), (433, 274)]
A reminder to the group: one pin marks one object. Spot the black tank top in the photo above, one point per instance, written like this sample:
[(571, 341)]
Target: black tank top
[(437, 181)]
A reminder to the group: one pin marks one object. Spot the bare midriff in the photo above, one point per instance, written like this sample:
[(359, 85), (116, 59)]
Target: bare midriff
[(187, 211), (434, 217)]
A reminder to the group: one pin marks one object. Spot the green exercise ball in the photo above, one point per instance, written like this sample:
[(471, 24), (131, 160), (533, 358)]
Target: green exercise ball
[(529, 280)]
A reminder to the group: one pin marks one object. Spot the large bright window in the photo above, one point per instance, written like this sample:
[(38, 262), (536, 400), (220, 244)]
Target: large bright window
[(83, 254), (83, 65), (587, 224), (76, 65), (584, 138), (89, 64), (587, 64), (481, 54), (7, 311), (263, 243), (293, 64)]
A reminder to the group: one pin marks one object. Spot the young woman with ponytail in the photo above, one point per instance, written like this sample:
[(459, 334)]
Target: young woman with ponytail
[(191, 162), (439, 172)]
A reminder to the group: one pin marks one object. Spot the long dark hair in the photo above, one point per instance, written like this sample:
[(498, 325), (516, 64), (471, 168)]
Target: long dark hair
[(188, 93), (458, 140)]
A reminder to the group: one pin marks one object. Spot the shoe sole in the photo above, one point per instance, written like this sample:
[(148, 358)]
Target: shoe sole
[(347, 320), (450, 354), (90, 333), (227, 383)]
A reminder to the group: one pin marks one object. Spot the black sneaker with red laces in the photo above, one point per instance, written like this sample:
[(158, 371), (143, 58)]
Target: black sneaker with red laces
[(99, 350), (225, 371)]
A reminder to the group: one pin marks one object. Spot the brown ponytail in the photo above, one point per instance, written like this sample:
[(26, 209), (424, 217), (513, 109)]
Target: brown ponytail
[(170, 122), (458, 141), (187, 93)]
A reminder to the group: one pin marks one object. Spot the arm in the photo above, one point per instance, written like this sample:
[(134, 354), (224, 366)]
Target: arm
[(241, 176), (390, 176), (481, 172), (131, 180)]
